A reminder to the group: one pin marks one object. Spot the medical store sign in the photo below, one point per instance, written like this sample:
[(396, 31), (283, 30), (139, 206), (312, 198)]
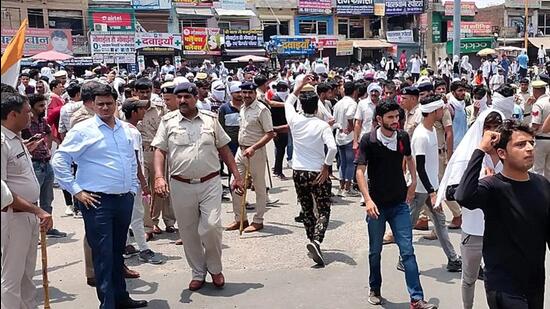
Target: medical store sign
[(201, 41), (295, 45)]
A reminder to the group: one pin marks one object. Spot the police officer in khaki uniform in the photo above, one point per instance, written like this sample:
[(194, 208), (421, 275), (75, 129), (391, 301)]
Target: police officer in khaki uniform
[(540, 111), (168, 96), (256, 130), (20, 218), (192, 140), (148, 128)]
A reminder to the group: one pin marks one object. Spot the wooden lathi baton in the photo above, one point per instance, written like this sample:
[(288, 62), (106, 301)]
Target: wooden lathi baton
[(243, 200), (43, 245)]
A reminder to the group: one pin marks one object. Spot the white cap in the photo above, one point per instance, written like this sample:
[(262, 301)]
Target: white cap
[(235, 87), (60, 73)]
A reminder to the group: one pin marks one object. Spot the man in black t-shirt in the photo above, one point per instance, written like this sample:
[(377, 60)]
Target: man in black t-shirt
[(386, 197)]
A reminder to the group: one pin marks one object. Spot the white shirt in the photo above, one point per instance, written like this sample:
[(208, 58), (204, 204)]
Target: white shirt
[(344, 110), (541, 53), (496, 81), (204, 104), (473, 221), (167, 69), (486, 68), (137, 141), (415, 67), (365, 113), (7, 197), (65, 115), (424, 142), (309, 137)]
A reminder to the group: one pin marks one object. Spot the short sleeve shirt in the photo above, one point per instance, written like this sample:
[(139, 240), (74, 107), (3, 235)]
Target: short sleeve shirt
[(150, 123), (412, 119), (424, 143), (440, 126), (192, 144), (255, 122), (365, 113), (541, 110)]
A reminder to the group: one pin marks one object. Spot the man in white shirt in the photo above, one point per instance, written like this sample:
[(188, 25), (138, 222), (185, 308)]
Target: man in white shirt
[(541, 55), (311, 164), (365, 113), (68, 109), (167, 67), (425, 148), (344, 112), (415, 67), (497, 80)]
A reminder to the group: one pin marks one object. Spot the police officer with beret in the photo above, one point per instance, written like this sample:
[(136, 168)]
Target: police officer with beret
[(192, 140), (170, 99)]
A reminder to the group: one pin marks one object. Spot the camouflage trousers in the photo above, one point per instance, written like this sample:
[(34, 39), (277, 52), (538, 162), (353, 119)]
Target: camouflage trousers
[(311, 194)]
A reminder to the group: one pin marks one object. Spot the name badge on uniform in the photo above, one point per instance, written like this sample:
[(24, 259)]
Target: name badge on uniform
[(20, 155)]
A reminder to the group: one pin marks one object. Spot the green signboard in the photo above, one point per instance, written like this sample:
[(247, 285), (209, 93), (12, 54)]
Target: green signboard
[(436, 27), (471, 45)]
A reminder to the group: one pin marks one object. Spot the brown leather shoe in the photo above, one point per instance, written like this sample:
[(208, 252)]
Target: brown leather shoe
[(388, 239), (236, 225), (456, 223), (421, 225), (254, 227), (218, 280), (157, 230), (195, 285), (431, 236), (179, 242), (130, 274), (149, 236), (90, 282)]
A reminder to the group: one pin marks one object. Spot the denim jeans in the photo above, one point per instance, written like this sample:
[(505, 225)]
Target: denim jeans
[(398, 217), (45, 176), (347, 167)]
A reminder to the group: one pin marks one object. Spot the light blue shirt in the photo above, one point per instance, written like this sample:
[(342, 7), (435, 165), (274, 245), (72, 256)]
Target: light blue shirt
[(523, 59), (105, 157)]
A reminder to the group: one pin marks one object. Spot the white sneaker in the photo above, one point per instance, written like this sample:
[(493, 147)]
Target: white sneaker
[(340, 192), (271, 201), (289, 163), (69, 211)]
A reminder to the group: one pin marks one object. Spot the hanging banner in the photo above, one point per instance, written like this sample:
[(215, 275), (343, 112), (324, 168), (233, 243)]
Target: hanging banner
[(155, 39), (40, 40), (344, 48), (315, 7), (291, 45), (107, 20), (403, 36), (201, 41), (404, 7), (355, 7), (113, 48), (471, 29), (151, 4), (242, 39), (233, 4), (193, 3), (466, 8)]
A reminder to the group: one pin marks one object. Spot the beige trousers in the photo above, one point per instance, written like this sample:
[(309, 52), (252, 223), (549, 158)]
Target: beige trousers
[(20, 232), (198, 211), (257, 171), (542, 158), (161, 204)]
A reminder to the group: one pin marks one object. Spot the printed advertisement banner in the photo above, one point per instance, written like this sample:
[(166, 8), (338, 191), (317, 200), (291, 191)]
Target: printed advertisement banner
[(532, 4), (355, 7), (119, 20), (40, 40), (80, 45), (233, 4), (151, 4), (295, 45), (188, 3), (201, 41), (466, 8), (114, 58), (471, 45), (239, 39), (404, 7), (80, 62), (471, 29), (403, 36), (154, 39), (315, 7), (344, 48), (112, 45), (328, 41)]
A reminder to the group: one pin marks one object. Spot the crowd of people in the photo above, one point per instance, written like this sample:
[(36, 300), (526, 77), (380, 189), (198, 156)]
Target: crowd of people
[(405, 138)]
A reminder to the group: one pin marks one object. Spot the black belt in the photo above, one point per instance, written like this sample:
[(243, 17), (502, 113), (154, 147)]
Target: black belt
[(526, 115), (102, 193), (542, 137), (197, 180)]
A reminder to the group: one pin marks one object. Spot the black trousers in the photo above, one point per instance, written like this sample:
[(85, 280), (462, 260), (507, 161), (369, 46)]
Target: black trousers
[(281, 141), (502, 300)]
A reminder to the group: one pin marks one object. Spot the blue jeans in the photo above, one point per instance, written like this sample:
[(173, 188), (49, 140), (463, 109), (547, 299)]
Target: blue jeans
[(398, 217), (289, 147), (45, 176), (347, 167), (106, 230)]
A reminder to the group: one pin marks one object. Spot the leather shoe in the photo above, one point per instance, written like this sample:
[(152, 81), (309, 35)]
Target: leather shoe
[(131, 303), (130, 274), (157, 230), (170, 229), (179, 242), (254, 227), (431, 236), (456, 223), (218, 280), (195, 285), (421, 225), (236, 225), (90, 282), (149, 236)]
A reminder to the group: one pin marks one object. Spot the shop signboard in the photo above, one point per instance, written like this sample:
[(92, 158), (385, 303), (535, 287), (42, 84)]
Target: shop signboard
[(243, 39), (155, 39), (151, 4), (344, 48), (141, 63), (471, 45), (466, 8), (327, 41), (471, 29), (40, 40), (404, 7), (114, 58), (201, 41), (79, 62), (402, 36), (355, 7), (108, 20), (520, 4), (233, 4), (193, 3), (111, 46), (80, 45), (293, 45), (315, 7)]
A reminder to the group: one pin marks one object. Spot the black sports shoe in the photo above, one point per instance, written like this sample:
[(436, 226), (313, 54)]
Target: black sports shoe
[(454, 266), (315, 249), (299, 218), (481, 274), (375, 298), (400, 265), (54, 233), (130, 251)]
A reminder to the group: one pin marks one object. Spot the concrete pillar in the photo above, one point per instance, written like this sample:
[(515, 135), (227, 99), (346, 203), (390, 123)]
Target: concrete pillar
[(383, 27)]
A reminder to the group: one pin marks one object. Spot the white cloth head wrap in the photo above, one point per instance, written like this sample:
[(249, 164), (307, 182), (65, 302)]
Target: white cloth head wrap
[(503, 104), (430, 107), (374, 86)]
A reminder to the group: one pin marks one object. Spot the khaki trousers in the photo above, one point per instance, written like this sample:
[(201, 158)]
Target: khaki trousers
[(198, 211), (542, 158), (20, 232), (161, 204), (257, 171)]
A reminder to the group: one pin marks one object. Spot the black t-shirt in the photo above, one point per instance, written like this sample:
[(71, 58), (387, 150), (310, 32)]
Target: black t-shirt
[(278, 113), (387, 185)]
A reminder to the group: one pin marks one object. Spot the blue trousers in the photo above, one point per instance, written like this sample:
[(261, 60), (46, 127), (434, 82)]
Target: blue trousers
[(106, 230), (347, 167), (45, 176), (398, 216)]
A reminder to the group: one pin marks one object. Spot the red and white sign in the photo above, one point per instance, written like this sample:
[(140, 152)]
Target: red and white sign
[(201, 41), (466, 8), (327, 41), (112, 19), (471, 29)]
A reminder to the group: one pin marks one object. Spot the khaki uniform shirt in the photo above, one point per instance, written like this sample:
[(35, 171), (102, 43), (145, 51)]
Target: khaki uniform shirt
[(150, 123), (440, 128), (541, 110), (16, 169), (80, 115), (192, 144), (255, 123), (260, 96), (412, 119)]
